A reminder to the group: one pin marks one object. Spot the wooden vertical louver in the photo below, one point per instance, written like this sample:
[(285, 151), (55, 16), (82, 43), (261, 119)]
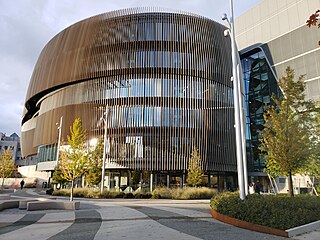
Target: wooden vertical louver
[(164, 78)]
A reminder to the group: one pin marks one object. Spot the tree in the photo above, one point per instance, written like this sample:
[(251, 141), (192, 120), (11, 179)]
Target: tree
[(93, 173), (195, 173), (57, 177), (287, 134), (313, 20), (313, 168), (73, 162), (6, 164)]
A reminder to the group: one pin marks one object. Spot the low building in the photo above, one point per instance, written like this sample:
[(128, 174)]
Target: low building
[(13, 142)]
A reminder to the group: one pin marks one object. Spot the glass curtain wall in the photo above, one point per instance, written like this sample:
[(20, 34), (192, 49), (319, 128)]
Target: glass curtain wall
[(260, 84)]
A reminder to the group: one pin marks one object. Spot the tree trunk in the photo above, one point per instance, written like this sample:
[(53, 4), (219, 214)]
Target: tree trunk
[(71, 192), (290, 184)]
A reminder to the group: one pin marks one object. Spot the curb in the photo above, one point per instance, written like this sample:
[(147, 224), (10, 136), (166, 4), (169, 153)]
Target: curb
[(263, 229), (247, 225), (303, 229)]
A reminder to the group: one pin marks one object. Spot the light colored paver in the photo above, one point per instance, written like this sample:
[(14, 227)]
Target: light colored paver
[(10, 218), (117, 212), (314, 235), (36, 231), (304, 229), (186, 212), (62, 216), (31, 192), (138, 229)]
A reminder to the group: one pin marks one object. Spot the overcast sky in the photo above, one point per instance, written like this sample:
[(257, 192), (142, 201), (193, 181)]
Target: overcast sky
[(27, 25)]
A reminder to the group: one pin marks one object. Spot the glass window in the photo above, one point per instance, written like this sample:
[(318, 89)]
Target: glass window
[(157, 116), (149, 31), (148, 116), (158, 31), (140, 30)]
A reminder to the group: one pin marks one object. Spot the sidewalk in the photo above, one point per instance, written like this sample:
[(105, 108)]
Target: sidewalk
[(314, 235), (114, 204)]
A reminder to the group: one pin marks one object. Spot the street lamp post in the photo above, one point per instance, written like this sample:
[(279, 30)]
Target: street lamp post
[(239, 127), (104, 119), (59, 126)]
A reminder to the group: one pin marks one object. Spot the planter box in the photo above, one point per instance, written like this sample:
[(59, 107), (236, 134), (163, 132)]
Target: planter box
[(247, 225)]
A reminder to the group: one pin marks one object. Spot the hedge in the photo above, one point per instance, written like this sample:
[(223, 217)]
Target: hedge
[(163, 193), (277, 211)]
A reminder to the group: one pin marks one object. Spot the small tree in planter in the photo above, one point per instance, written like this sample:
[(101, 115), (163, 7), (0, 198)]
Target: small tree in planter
[(195, 173), (93, 173), (287, 137), (73, 162)]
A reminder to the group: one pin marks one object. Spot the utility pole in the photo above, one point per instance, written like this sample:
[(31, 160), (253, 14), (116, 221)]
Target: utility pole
[(104, 119), (59, 127), (238, 108)]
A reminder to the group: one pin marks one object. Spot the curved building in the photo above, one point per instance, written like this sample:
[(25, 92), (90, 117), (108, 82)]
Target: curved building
[(163, 78)]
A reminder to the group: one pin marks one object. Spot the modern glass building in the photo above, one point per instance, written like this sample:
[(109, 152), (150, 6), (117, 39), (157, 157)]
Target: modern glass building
[(260, 83), (271, 36), (163, 78)]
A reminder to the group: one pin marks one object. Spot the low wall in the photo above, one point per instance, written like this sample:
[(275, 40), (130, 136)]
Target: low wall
[(31, 172)]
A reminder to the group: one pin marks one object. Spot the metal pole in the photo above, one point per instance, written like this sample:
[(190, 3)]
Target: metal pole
[(59, 139), (243, 133), (238, 121), (104, 151)]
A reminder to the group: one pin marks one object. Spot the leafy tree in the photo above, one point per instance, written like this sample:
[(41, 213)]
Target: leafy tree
[(6, 164), (195, 173), (73, 162), (287, 134), (313, 168), (57, 177), (93, 174), (313, 20)]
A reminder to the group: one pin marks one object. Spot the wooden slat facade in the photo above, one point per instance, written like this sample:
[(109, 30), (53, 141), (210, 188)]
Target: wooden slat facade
[(163, 76)]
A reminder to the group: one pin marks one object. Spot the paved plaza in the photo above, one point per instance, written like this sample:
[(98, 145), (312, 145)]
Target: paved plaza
[(121, 219)]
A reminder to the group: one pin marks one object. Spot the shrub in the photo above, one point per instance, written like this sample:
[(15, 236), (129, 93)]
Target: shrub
[(119, 195), (49, 191), (61, 192), (92, 193), (111, 194), (162, 192), (143, 195), (165, 193), (185, 193), (277, 211), (128, 195), (194, 193)]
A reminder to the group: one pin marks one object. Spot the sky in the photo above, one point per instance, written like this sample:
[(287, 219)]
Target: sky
[(27, 25)]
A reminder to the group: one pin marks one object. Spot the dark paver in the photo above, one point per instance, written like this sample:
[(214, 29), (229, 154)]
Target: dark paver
[(206, 230), (85, 227), (28, 219)]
